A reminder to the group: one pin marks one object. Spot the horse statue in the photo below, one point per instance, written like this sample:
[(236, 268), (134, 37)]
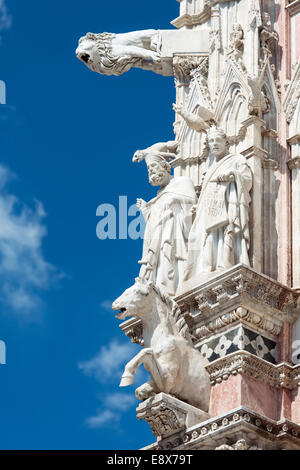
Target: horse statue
[(175, 366)]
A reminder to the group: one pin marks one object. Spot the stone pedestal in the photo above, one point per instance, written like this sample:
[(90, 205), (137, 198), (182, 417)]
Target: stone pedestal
[(236, 319), (167, 415)]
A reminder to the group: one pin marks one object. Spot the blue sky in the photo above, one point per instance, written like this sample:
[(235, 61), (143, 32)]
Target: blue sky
[(67, 139)]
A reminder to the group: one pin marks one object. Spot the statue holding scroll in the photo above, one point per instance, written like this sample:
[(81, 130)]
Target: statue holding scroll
[(219, 237)]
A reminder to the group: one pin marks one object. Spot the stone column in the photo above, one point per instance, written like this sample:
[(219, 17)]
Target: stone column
[(294, 166), (256, 155)]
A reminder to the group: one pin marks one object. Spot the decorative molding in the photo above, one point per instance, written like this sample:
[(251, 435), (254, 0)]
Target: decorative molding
[(293, 7), (294, 163), (238, 295), (271, 326), (238, 338), (240, 286), (183, 66), (238, 445), (279, 376), (133, 328), (292, 95), (166, 414), (234, 427)]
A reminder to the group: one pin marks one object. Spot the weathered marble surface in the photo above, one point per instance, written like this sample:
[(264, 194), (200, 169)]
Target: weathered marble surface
[(168, 218), (175, 366)]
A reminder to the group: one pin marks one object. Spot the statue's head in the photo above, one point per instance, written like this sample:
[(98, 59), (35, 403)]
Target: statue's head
[(95, 51), (158, 169), (135, 301), (217, 141)]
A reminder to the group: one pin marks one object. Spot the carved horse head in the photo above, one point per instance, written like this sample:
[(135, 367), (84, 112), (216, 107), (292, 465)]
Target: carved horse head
[(138, 301)]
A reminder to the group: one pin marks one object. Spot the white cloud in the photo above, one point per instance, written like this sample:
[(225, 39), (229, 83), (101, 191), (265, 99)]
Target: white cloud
[(23, 269), (112, 408), (5, 17), (102, 418), (108, 362), (120, 401), (106, 305)]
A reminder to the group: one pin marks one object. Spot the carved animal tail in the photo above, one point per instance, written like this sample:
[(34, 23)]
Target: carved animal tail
[(181, 324)]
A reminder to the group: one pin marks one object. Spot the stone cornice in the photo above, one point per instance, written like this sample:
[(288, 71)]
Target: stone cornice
[(191, 20), (133, 328), (295, 139), (280, 376), (260, 432), (239, 286), (205, 328), (180, 161), (293, 7), (238, 295), (255, 151), (294, 163)]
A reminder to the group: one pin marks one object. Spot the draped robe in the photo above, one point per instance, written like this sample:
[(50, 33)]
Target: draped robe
[(168, 220), (219, 237)]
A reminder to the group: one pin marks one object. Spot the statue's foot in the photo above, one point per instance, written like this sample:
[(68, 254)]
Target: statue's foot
[(126, 380), (144, 391), (156, 57)]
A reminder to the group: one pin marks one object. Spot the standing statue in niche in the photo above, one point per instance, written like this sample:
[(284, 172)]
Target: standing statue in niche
[(219, 237), (168, 219)]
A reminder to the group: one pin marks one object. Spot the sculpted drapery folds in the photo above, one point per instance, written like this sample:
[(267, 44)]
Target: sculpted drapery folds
[(219, 237), (168, 218)]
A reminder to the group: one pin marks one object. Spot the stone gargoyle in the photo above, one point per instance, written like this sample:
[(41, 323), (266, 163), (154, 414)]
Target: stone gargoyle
[(175, 366), (114, 54)]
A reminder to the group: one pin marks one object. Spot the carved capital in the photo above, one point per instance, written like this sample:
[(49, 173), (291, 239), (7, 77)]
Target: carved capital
[(294, 163), (184, 65), (167, 415)]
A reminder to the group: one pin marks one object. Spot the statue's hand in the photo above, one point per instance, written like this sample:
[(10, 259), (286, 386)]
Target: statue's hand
[(178, 108), (228, 178), (141, 204)]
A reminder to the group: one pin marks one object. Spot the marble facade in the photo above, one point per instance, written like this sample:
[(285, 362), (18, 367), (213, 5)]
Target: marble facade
[(223, 254)]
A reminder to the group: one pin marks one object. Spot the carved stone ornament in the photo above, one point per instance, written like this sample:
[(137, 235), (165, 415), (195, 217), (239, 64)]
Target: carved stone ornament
[(114, 54), (166, 414), (278, 376), (240, 286), (292, 95), (175, 366), (184, 66), (238, 429)]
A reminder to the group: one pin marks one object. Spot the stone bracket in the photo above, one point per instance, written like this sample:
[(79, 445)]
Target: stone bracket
[(166, 414)]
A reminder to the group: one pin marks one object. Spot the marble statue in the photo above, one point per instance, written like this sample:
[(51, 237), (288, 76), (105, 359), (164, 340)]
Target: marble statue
[(168, 218), (219, 237), (199, 121), (175, 366), (114, 54)]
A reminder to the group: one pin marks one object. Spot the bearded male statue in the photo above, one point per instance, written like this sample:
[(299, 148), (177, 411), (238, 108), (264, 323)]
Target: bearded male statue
[(219, 237), (168, 218)]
